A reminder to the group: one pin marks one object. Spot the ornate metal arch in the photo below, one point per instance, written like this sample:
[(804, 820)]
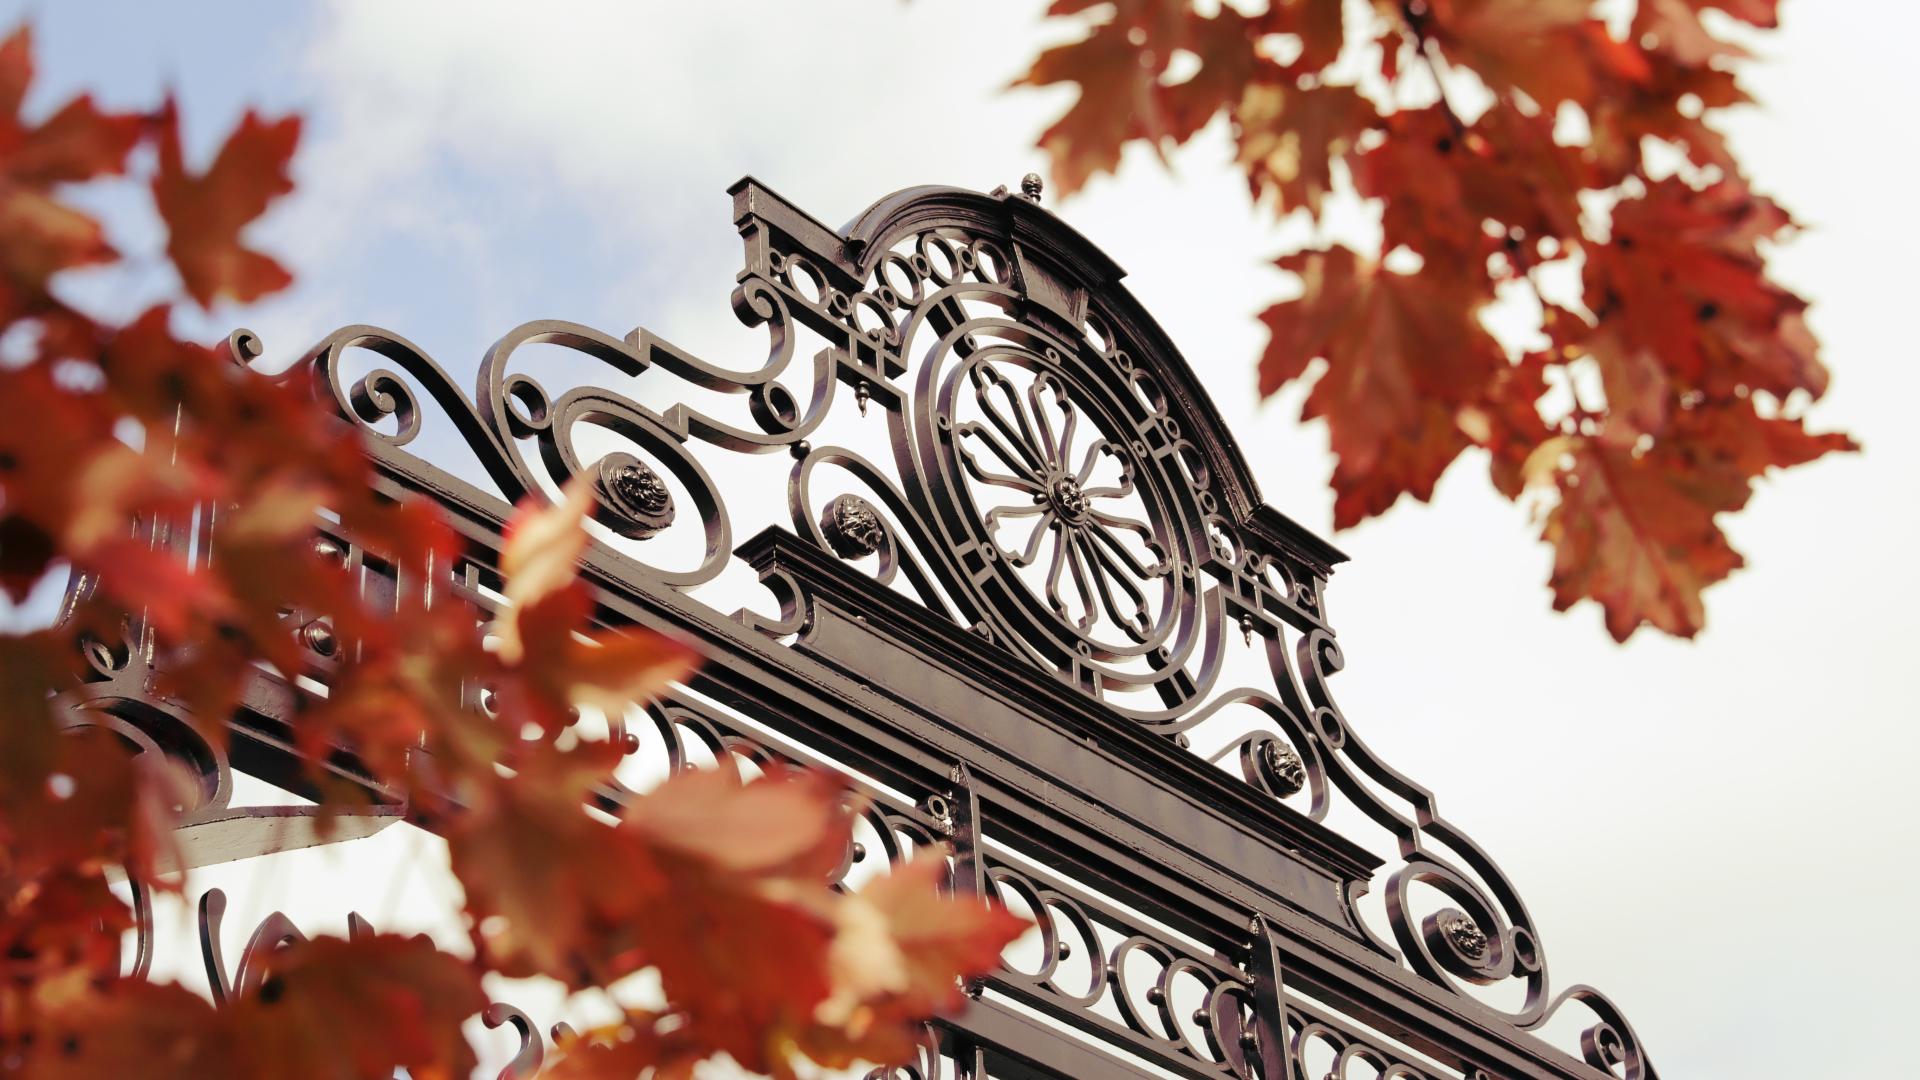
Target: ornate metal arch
[(1033, 601)]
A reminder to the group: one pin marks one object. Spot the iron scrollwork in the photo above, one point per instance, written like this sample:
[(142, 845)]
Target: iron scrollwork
[(1052, 480)]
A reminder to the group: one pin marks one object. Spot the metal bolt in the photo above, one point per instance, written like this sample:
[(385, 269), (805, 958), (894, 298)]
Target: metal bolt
[(320, 638), (327, 548)]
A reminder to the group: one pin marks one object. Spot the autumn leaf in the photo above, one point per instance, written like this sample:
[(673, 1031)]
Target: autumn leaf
[(1548, 50), (586, 901), (1505, 421), (640, 1041), (1674, 27), (1684, 278), (40, 235), (1674, 103), (1224, 44), (206, 214), (1494, 192), (898, 944), (333, 1008), (66, 920), (789, 823), (1118, 102), (1318, 24), (552, 890), (1639, 395), (327, 1009), (1404, 353), (741, 940), (1289, 138), (1636, 530), (539, 638), (16, 70), (75, 144), (130, 1028), (1636, 534), (542, 544), (1442, 185)]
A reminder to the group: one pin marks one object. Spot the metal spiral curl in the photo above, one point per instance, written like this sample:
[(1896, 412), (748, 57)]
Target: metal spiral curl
[(1609, 1043), (1217, 1035), (1282, 763), (820, 523), (1441, 945)]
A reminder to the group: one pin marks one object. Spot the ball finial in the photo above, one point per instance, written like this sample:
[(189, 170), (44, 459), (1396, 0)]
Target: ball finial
[(1030, 186)]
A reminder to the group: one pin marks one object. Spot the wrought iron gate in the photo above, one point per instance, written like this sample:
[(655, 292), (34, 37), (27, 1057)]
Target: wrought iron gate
[(1028, 597)]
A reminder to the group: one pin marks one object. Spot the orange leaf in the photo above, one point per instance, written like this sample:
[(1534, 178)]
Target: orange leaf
[(1404, 352), (543, 544), (41, 236), (328, 1009), (788, 823), (900, 949), (537, 637), (1544, 48), (1319, 24), (206, 214), (77, 143), (331, 1007), (1289, 139), (1636, 531), (552, 889), (1684, 277)]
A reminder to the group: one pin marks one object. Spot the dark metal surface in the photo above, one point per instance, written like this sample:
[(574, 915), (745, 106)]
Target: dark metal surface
[(1014, 603)]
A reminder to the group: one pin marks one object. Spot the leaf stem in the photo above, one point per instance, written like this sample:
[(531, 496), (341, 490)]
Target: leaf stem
[(1429, 52)]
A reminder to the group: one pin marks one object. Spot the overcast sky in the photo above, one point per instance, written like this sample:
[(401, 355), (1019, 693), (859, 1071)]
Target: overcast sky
[(1713, 832)]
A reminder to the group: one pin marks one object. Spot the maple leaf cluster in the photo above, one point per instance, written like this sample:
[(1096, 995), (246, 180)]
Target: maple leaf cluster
[(118, 437), (1666, 382)]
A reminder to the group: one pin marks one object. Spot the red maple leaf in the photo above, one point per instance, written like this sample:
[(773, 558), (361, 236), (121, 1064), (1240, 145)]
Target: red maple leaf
[(205, 214), (1404, 353), (1636, 530)]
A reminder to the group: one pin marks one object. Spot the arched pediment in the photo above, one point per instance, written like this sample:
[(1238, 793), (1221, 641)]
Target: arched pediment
[(1066, 279), (1062, 471)]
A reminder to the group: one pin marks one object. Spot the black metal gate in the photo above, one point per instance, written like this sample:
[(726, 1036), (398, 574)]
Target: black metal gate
[(1028, 597)]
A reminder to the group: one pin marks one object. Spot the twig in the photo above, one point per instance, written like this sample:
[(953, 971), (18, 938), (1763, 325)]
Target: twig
[(1436, 66)]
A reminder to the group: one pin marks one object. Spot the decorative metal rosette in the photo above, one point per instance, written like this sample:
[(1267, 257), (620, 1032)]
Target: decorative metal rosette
[(1051, 468), (852, 527), (639, 501), (1463, 934), (1285, 773)]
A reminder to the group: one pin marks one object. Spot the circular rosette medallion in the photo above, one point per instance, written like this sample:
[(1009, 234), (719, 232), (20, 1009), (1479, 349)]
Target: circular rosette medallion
[(1084, 542)]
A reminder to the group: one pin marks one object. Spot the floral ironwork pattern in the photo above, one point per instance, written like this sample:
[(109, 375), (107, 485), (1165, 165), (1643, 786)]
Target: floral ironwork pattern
[(1077, 528), (1047, 483)]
